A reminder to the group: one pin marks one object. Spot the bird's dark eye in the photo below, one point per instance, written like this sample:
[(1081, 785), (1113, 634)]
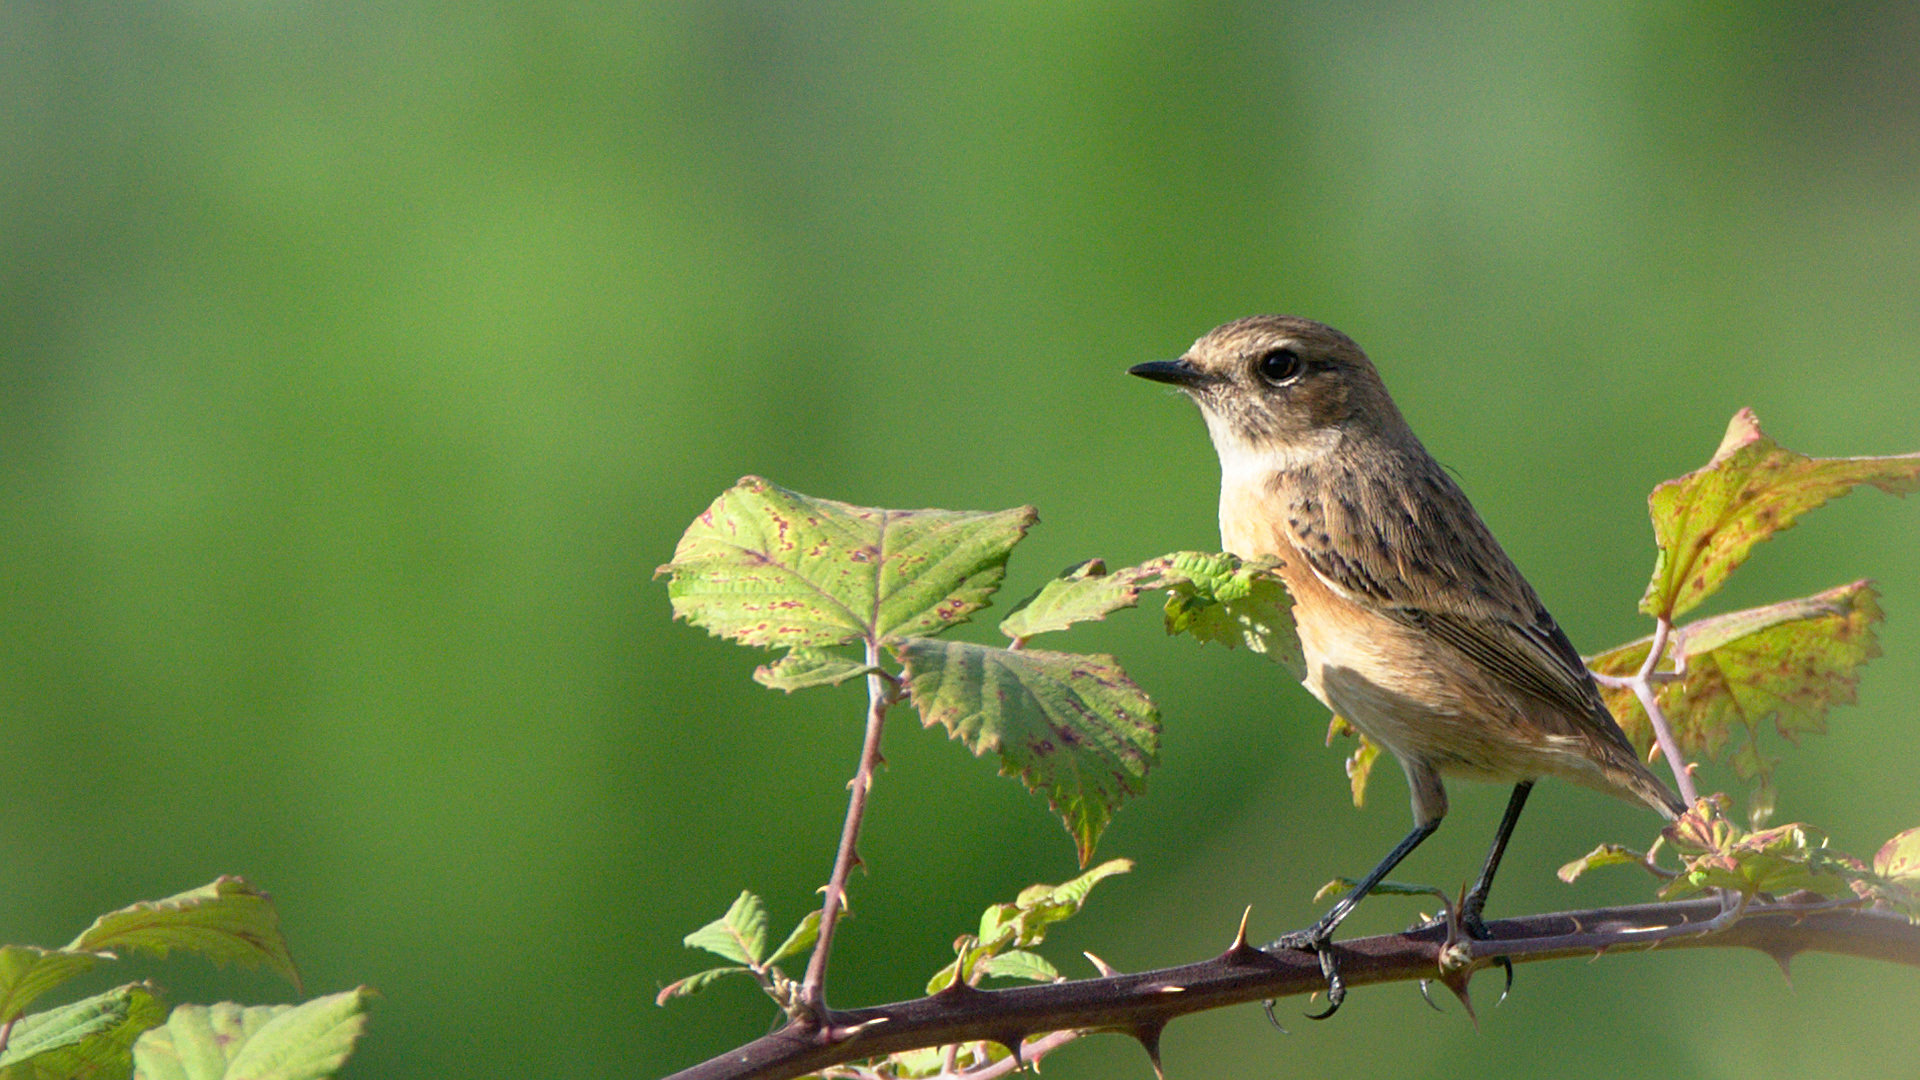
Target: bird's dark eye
[(1280, 365)]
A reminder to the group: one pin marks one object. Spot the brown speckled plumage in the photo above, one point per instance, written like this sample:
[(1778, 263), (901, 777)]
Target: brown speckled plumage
[(1415, 625)]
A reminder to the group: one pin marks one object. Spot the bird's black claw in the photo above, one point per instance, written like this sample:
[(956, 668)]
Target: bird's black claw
[(1315, 940), (1507, 989), (1425, 985)]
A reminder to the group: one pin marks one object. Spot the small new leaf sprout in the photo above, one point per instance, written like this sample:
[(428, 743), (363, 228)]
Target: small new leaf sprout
[(1707, 522), (741, 935), (1009, 929), (1604, 855), (800, 940), (1082, 593), (1717, 854), (803, 668)]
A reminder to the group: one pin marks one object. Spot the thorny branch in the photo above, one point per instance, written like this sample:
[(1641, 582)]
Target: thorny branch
[(881, 694), (1141, 1005)]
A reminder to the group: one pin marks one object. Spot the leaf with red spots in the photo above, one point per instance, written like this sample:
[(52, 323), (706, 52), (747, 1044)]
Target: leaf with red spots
[(772, 567), (1897, 866), (1072, 727), (1790, 662), (1707, 522), (1716, 854)]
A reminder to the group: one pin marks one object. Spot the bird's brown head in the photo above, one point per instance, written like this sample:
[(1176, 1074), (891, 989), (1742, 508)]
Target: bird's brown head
[(1275, 389)]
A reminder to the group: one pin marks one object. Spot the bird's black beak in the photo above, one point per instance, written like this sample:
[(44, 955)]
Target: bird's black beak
[(1178, 372)]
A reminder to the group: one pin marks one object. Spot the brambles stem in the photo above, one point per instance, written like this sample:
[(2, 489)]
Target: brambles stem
[(1144, 1002), (1642, 686), (881, 694)]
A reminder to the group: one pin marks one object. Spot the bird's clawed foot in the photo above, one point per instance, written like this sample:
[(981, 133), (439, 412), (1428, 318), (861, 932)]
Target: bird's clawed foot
[(1317, 939), (1467, 925)]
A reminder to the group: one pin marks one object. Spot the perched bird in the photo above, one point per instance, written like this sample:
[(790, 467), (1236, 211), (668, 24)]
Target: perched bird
[(1416, 627)]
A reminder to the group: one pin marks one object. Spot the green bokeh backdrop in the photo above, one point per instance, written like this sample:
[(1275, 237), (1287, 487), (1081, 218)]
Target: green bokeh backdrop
[(360, 362)]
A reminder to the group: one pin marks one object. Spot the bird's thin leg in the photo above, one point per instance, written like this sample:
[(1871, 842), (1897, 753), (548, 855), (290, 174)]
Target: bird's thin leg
[(1314, 938), (1476, 901)]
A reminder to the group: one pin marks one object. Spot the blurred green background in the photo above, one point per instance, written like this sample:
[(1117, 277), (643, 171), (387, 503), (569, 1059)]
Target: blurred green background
[(360, 362)]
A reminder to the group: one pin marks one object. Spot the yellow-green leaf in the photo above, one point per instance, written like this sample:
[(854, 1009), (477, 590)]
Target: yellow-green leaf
[(227, 1042), (90, 1037), (1604, 855), (27, 971), (1716, 854), (739, 935), (772, 567), (1359, 763), (1789, 662), (1707, 522), (1219, 597), (227, 921)]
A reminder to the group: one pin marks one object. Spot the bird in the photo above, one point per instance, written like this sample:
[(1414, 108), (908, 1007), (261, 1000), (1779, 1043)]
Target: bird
[(1415, 625)]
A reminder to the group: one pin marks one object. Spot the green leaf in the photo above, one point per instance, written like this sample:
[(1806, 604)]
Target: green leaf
[(802, 668), (768, 566), (27, 971), (1080, 594), (1072, 727), (1044, 905), (1707, 522), (1023, 923), (1020, 964), (281, 1042), (697, 982), (1604, 855), (740, 934), (227, 921), (1218, 597), (90, 1037), (800, 940), (1789, 662)]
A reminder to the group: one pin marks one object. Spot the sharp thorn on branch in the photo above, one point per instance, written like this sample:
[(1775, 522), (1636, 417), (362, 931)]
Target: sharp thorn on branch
[(1149, 1038)]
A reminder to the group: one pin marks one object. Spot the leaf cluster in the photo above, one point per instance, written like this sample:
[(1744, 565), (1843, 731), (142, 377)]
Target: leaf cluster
[(771, 567), (128, 1028)]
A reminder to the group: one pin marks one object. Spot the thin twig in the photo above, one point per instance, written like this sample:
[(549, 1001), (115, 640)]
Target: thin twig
[(1642, 684), (881, 694)]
